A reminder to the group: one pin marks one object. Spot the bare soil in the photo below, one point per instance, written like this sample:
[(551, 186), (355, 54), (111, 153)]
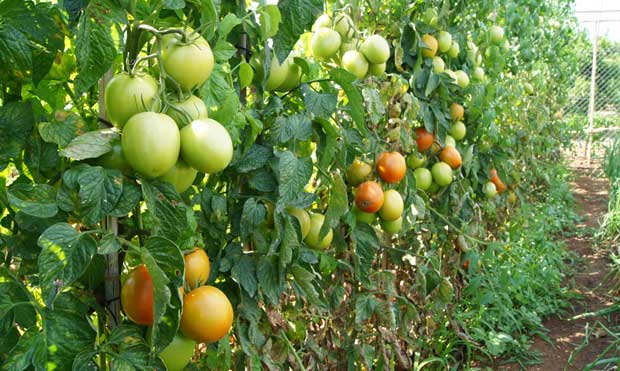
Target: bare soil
[(575, 343)]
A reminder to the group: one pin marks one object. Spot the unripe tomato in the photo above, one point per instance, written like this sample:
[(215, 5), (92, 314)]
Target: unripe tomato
[(137, 296), (352, 44), (430, 50), (358, 172), (206, 146), (393, 205), (369, 197), (178, 353), (438, 64), (435, 148), (392, 227), (496, 34), (376, 69), (424, 139), (151, 143), (455, 49), (277, 74), (188, 63), (442, 174), (451, 156), (181, 176), (462, 79), (364, 217), (489, 189), (512, 198), (528, 88), (344, 26), (430, 17), (457, 112), (423, 178), (444, 40), (325, 43), (458, 130), (293, 76), (376, 49), (207, 314), (115, 159), (197, 268), (312, 239), (416, 160), (355, 62), (126, 95), (450, 141), (391, 167), (303, 218), (193, 108), (478, 74), (324, 20)]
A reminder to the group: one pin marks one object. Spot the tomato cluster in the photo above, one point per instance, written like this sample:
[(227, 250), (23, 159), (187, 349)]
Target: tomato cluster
[(169, 140)]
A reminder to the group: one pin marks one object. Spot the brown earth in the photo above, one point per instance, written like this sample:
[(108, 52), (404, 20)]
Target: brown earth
[(575, 343)]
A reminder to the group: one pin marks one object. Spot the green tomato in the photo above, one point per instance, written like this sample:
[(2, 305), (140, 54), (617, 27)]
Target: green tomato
[(312, 239), (277, 74), (181, 176), (114, 159), (352, 44), (393, 205), (376, 69), (323, 21), (188, 63), (354, 62), (458, 130), (423, 178), (206, 146), (442, 174), (325, 43), (178, 353), (489, 189), (126, 95), (450, 141), (445, 41), (303, 218), (496, 34), (193, 108), (430, 17), (462, 79), (293, 76), (364, 217), (376, 49), (455, 49), (344, 26), (151, 143), (438, 64), (416, 160), (392, 227), (478, 74), (528, 88)]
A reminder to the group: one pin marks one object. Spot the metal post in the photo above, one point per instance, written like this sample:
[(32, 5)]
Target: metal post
[(592, 94)]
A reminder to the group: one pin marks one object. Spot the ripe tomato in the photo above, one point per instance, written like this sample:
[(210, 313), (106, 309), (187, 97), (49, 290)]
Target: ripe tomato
[(189, 63), (303, 218), (369, 197), (466, 265), (458, 130), (344, 26), (391, 167), (489, 189), (355, 62), (438, 64), (151, 143), (499, 184), (423, 178), (376, 49), (496, 34), (126, 95), (193, 108), (207, 314), (325, 43), (455, 49), (457, 112), (115, 159), (424, 139), (393, 205), (277, 74), (376, 69), (178, 353), (206, 146), (444, 39), (430, 50), (364, 217), (137, 296), (442, 174), (358, 172), (312, 239), (392, 227), (462, 79), (181, 176), (197, 268), (451, 156)]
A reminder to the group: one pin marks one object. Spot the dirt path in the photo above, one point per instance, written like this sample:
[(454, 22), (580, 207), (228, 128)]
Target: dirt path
[(570, 348)]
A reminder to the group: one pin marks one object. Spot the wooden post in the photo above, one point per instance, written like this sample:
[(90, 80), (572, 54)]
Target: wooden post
[(592, 94)]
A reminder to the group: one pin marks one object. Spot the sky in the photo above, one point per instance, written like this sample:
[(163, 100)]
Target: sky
[(589, 10)]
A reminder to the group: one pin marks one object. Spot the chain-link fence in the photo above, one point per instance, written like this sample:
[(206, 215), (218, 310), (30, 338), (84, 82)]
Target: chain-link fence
[(593, 109)]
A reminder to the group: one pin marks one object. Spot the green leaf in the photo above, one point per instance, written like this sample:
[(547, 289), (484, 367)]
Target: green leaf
[(227, 24), (62, 132), (128, 199), (293, 175), (252, 216), (365, 306), (41, 158), (90, 145), (109, 243), (30, 350), (244, 273), (65, 332), (16, 124), (223, 51), (220, 97), (33, 199), (15, 51), (303, 278), (270, 18), (64, 257), (255, 158), (375, 107), (297, 17), (366, 246), (321, 105), (296, 127), (356, 103), (338, 205), (269, 278), (100, 190), (174, 4), (15, 300)]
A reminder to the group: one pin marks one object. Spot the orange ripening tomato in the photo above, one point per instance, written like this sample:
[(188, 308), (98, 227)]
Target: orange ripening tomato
[(197, 268), (495, 179), (369, 197), (391, 167), (137, 296), (207, 314), (451, 156), (457, 112), (424, 139)]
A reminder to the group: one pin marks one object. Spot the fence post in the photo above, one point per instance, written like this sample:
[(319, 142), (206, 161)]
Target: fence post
[(592, 94)]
